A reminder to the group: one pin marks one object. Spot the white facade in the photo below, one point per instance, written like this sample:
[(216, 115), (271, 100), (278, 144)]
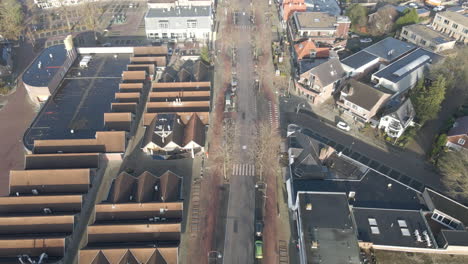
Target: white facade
[(402, 85), (179, 24), (45, 4), (350, 71), (392, 126), (170, 3)]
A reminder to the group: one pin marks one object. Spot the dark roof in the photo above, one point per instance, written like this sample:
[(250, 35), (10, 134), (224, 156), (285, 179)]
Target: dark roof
[(412, 61), (460, 127), (79, 104), (436, 201), (389, 229), (200, 71), (143, 255), (164, 128), (371, 191), (455, 237), (362, 94), (306, 158), (307, 64), (329, 72), (329, 224), (404, 112), (359, 59), (40, 77), (180, 11), (390, 49)]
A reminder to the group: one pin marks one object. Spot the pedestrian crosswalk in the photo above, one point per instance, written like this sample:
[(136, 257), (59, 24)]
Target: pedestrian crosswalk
[(274, 115), (243, 170)]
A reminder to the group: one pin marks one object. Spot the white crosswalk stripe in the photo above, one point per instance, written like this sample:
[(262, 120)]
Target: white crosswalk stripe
[(243, 170)]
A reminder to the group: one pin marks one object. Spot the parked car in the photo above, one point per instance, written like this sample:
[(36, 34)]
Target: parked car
[(365, 40), (343, 126), (258, 228), (413, 5), (439, 8), (258, 249)]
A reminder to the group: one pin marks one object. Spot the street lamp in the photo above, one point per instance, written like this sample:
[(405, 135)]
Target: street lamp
[(214, 255)]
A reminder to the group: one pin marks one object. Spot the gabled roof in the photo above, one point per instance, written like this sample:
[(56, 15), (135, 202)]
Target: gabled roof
[(194, 131), (363, 95), (359, 59), (200, 71), (328, 72), (307, 163), (404, 112), (460, 127), (304, 49), (174, 132), (145, 188), (161, 255)]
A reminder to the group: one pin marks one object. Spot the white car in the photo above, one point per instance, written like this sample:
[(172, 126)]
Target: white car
[(413, 5), (439, 8), (343, 126), (365, 40)]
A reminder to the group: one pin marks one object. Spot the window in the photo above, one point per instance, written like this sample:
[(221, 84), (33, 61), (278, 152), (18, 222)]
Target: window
[(191, 23), (438, 18), (354, 107), (413, 36), (423, 42), (446, 22), (465, 31), (163, 24), (164, 35), (461, 141), (454, 25), (405, 32), (173, 35)]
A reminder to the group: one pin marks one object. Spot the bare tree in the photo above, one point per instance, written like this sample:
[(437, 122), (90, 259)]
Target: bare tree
[(266, 149), (93, 13)]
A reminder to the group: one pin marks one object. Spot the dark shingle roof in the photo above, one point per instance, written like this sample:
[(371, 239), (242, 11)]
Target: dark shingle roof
[(404, 112), (460, 127), (390, 48), (329, 72), (362, 94), (359, 59)]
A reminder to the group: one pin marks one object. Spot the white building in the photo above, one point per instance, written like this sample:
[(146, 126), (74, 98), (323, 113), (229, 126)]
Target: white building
[(397, 120), (45, 4), (404, 73), (179, 23), (174, 3)]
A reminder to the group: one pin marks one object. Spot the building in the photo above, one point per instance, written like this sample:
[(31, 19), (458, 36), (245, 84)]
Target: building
[(288, 7), (319, 27), (426, 37), (382, 211), (308, 49), (326, 233), (383, 52), (457, 137), (174, 3), (179, 23), (452, 24), (319, 83), (404, 73), (397, 119), (362, 101)]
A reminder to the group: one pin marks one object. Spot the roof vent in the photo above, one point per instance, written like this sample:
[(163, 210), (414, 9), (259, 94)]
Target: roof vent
[(309, 206), (390, 52), (47, 211), (35, 192), (39, 64)]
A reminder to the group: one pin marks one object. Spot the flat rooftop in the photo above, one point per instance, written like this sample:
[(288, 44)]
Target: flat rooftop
[(407, 64), (180, 11), (51, 60), (359, 59), (328, 6), (371, 191), (330, 228), (390, 49), (390, 227), (76, 110), (428, 33), (314, 20)]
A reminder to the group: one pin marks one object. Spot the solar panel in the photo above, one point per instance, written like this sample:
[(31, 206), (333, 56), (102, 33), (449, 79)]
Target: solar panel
[(375, 230), (372, 221), (405, 232), (402, 223), (410, 66)]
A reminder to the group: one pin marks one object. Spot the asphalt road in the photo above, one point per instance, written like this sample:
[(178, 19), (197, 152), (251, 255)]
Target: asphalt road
[(409, 170), (238, 244)]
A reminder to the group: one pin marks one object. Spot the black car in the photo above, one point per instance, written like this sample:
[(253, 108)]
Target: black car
[(259, 228)]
